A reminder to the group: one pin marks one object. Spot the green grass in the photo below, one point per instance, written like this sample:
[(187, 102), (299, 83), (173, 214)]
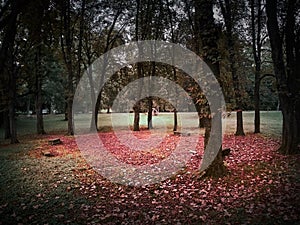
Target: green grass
[(27, 125), (271, 122)]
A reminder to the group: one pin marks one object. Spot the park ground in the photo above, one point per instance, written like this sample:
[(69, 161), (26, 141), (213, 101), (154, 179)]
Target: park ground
[(260, 187)]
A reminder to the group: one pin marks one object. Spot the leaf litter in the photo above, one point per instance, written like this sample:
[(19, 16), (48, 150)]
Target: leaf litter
[(261, 186)]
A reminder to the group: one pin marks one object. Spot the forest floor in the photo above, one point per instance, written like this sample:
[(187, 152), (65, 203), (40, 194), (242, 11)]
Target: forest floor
[(261, 186)]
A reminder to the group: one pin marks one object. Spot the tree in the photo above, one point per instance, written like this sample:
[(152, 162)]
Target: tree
[(208, 33), (110, 39), (71, 40), (8, 65), (230, 20), (67, 38), (172, 26), (284, 34), (258, 37), (35, 23)]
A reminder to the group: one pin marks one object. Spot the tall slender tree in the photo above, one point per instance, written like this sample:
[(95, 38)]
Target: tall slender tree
[(258, 39), (67, 41), (285, 38), (230, 20)]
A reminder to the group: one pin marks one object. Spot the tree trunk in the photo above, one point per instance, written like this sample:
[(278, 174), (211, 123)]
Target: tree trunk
[(7, 60), (287, 80), (239, 119), (6, 124), (175, 127), (97, 108), (229, 23), (11, 109), (137, 106), (70, 91), (38, 97), (150, 106), (256, 103), (207, 31), (28, 106), (66, 47), (290, 129), (256, 28), (201, 121), (150, 102), (38, 108), (1, 117), (216, 168), (136, 122), (70, 110), (93, 97), (70, 98)]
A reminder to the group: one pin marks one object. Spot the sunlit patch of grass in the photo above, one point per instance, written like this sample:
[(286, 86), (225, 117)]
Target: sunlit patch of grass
[(271, 122)]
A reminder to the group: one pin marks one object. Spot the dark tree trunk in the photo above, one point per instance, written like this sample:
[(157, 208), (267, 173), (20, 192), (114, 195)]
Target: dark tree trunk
[(97, 108), (256, 28), (256, 103), (1, 116), (136, 121), (66, 46), (150, 106), (109, 41), (28, 106), (93, 97), (7, 60), (11, 109), (69, 109), (38, 97), (38, 109), (216, 168), (239, 119), (227, 14), (287, 79), (175, 127), (290, 130), (206, 30), (6, 125), (201, 121), (137, 106), (150, 101)]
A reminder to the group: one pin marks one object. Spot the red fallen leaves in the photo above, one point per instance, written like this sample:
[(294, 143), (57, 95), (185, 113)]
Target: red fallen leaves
[(261, 185), (68, 146), (153, 153)]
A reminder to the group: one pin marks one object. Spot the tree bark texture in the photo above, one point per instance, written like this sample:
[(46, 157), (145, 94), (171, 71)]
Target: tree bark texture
[(38, 94), (149, 119), (229, 23), (286, 73), (207, 31), (256, 28)]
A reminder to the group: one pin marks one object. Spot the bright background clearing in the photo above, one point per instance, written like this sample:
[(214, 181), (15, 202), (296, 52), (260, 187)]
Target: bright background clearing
[(271, 122)]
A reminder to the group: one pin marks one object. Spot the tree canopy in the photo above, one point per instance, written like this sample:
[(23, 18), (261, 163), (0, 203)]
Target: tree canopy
[(47, 45)]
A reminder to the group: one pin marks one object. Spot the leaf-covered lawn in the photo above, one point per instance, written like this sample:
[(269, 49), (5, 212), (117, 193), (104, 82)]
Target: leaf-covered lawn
[(261, 187)]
